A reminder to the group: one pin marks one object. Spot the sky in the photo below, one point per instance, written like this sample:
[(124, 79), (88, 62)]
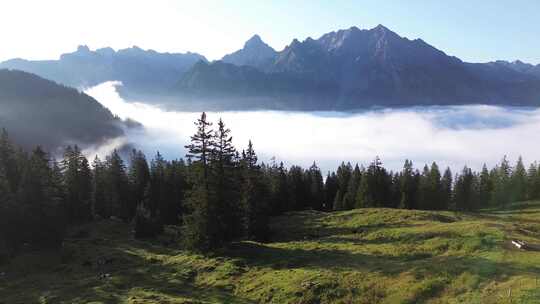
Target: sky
[(453, 136), (475, 31)]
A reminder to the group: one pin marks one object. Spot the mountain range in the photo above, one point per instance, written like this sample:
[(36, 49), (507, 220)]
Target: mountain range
[(140, 71), (342, 70)]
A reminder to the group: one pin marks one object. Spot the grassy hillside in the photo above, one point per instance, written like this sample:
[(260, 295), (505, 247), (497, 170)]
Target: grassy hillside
[(359, 256)]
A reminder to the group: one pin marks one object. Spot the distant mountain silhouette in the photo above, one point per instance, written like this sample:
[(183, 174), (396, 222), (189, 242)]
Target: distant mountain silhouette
[(145, 72), (342, 70), (255, 53), (354, 68), (36, 111)]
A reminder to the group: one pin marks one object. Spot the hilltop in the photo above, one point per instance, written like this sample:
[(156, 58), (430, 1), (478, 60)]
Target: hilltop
[(360, 256)]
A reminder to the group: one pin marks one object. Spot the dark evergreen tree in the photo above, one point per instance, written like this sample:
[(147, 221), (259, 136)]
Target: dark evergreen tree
[(223, 182), (316, 187), (157, 192), (254, 198), (344, 173), (485, 187), (500, 177), (330, 191), (446, 185), (201, 229), (518, 182), (279, 188), (41, 202), (349, 199), (297, 189), (408, 187), (117, 187), (8, 161), (375, 187), (99, 186), (533, 182), (78, 183), (464, 191), (139, 177)]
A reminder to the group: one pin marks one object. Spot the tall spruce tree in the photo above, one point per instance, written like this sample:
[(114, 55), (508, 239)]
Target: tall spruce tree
[(518, 182), (446, 185), (501, 194), (254, 198), (330, 191), (533, 182), (349, 199), (344, 173), (78, 183), (117, 187), (44, 216), (99, 188), (201, 229), (139, 177), (408, 187), (485, 187), (223, 182), (316, 187)]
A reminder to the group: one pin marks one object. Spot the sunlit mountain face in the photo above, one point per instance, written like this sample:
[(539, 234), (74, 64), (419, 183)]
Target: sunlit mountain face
[(451, 135)]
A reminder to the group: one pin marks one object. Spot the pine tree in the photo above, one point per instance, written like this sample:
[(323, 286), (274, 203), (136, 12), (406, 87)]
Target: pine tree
[(349, 199), (223, 182), (518, 182), (297, 189), (253, 198), (117, 187), (157, 190), (408, 187), (501, 194), (344, 173), (176, 187), (533, 182), (485, 187), (330, 191), (446, 185), (280, 191), (316, 187), (78, 183), (464, 191), (41, 202), (375, 187), (138, 177), (99, 189), (201, 229), (8, 161), (425, 195)]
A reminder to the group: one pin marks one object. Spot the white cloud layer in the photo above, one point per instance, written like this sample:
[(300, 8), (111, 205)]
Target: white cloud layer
[(452, 136)]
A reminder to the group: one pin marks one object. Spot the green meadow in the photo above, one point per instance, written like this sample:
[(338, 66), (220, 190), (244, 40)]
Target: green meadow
[(358, 256)]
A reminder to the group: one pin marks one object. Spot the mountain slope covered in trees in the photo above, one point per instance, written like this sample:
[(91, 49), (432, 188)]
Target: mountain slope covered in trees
[(37, 111)]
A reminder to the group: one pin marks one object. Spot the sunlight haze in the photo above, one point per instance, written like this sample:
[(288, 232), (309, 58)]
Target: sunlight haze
[(476, 31)]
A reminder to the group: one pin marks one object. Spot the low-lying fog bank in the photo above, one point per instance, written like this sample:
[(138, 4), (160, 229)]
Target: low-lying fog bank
[(453, 136)]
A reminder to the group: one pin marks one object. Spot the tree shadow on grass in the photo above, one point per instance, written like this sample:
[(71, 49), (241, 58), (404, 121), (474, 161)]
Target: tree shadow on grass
[(130, 277)]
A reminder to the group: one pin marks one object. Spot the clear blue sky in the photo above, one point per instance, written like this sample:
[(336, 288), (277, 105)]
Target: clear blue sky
[(475, 30)]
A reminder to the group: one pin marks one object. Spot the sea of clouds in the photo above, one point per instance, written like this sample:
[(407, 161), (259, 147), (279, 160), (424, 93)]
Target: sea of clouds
[(453, 136)]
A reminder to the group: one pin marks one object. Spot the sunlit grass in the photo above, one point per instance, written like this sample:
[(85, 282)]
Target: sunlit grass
[(358, 256)]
